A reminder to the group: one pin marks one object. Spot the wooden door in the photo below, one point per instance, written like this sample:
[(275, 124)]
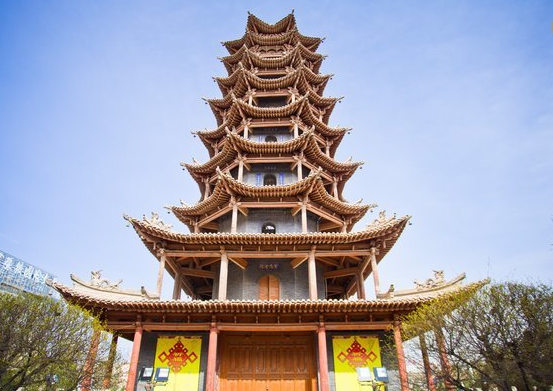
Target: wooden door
[(267, 364), (269, 288)]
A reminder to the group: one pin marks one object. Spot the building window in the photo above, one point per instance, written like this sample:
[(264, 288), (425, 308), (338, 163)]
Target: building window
[(268, 228), (269, 288), (269, 180), (270, 139)]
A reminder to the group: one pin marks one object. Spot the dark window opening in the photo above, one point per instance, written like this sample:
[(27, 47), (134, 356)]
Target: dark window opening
[(272, 101), (269, 180), (271, 139), (268, 228)]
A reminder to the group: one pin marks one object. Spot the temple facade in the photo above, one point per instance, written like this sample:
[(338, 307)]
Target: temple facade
[(269, 285)]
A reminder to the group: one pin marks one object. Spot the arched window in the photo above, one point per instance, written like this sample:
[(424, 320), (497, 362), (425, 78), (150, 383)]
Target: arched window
[(270, 139), (269, 180), (269, 288), (268, 228)]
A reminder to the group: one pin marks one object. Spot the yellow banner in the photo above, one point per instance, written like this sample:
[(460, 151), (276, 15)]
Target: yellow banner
[(351, 352), (182, 356)]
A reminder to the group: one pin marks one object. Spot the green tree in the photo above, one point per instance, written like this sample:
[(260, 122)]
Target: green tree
[(40, 337), (500, 336)]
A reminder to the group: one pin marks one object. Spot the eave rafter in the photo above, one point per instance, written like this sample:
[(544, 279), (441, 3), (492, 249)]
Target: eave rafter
[(242, 112), (259, 26), (321, 107), (289, 37), (302, 77), (293, 58)]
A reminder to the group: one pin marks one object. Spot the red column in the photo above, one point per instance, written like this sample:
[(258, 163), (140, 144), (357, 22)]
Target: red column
[(133, 365), (400, 358), (110, 362), (323, 359), (426, 362), (444, 360), (211, 359), (88, 368)]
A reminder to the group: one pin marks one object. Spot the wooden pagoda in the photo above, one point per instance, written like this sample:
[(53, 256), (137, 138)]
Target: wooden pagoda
[(271, 264)]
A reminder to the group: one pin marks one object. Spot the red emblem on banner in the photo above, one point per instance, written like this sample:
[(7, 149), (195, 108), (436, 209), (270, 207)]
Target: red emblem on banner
[(357, 355), (178, 357)]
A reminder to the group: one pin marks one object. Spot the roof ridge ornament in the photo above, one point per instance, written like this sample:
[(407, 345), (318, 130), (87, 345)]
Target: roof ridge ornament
[(157, 222)]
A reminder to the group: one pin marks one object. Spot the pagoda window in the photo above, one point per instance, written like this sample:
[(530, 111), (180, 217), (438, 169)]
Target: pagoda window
[(271, 139), (270, 75), (269, 180), (272, 101), (268, 228), (269, 288), (281, 178)]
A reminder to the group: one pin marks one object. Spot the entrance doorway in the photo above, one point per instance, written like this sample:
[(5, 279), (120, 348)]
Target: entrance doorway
[(268, 363)]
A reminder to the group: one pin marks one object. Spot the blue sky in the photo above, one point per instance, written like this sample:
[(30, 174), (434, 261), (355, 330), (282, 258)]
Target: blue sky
[(451, 105)]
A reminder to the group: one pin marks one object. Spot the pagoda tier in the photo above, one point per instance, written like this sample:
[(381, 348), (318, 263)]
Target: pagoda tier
[(260, 26), (347, 257), (274, 65), (286, 39), (302, 78), (298, 121), (333, 213), (320, 106), (240, 153)]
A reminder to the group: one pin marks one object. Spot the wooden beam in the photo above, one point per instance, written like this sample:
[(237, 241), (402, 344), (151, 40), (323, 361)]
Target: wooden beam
[(266, 254), (297, 261), (279, 327), (154, 326), (198, 273), (335, 289), (205, 289), (240, 262), (341, 272), (210, 261), (380, 325)]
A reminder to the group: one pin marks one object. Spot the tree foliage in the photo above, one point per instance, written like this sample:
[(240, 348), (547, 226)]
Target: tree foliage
[(500, 336), (41, 337)]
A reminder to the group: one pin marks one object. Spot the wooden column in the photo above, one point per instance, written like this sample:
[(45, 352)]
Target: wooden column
[(426, 363), (374, 268), (246, 132), (360, 286), (403, 379), (240, 170), (223, 276), (300, 170), (207, 191), (234, 219), (133, 365), (88, 368), (177, 286), (161, 271), (312, 275), (304, 215), (323, 359), (335, 187), (211, 359), (111, 360), (296, 130), (444, 360)]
